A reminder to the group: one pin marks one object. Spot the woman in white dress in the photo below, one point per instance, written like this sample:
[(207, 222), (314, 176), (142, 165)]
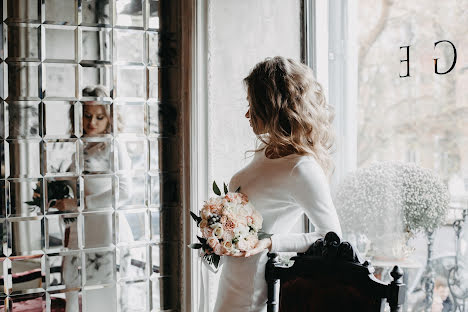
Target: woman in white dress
[(286, 178), (98, 228)]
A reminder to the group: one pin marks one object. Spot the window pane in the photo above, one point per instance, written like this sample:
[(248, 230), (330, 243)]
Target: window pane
[(411, 155)]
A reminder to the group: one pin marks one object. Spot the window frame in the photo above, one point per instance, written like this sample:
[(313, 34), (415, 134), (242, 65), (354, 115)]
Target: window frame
[(199, 133), (198, 147), (332, 54)]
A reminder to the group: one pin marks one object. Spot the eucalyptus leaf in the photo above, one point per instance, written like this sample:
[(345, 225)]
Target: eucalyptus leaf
[(216, 189), (216, 259), (213, 261), (263, 235), (196, 218), (238, 189), (195, 246), (225, 189), (202, 240)]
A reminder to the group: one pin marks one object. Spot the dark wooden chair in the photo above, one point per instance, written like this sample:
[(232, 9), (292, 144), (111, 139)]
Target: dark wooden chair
[(330, 277)]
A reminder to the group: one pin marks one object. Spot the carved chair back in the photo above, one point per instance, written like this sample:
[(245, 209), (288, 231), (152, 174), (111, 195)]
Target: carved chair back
[(329, 277)]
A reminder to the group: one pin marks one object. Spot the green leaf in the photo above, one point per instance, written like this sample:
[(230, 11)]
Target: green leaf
[(195, 246), (263, 235), (225, 189), (69, 220), (238, 189), (195, 217), (216, 189), (202, 240), (216, 259)]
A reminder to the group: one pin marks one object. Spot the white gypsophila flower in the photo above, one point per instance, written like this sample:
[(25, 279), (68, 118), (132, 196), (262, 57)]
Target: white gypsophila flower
[(387, 199), (426, 199), (216, 225)]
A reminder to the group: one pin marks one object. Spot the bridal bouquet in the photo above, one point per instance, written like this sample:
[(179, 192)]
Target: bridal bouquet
[(229, 225), (56, 190)]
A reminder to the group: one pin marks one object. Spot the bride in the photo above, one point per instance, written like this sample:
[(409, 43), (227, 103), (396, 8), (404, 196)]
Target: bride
[(286, 178)]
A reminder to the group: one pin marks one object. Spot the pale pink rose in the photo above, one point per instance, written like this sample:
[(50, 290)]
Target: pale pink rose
[(203, 224), (216, 209), (239, 220), (245, 210), (244, 198), (239, 198), (252, 241), (219, 250), (228, 235), (207, 232), (205, 213), (223, 220), (228, 247), (257, 219), (230, 197), (213, 241), (214, 205), (242, 245)]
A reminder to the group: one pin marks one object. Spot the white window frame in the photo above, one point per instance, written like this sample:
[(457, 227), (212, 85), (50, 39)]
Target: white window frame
[(332, 54), (199, 144), (325, 54)]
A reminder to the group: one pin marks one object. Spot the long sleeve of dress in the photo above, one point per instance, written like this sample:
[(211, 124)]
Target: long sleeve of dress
[(310, 189)]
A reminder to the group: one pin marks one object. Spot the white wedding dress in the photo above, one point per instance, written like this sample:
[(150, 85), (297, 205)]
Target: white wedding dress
[(99, 232), (281, 190)]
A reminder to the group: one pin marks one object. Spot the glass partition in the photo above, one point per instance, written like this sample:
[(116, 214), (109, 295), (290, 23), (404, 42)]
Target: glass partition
[(79, 189)]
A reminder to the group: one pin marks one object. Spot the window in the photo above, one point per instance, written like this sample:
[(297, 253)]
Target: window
[(382, 117)]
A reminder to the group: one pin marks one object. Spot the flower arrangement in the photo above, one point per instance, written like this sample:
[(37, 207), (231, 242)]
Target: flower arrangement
[(389, 202), (229, 225), (56, 190)]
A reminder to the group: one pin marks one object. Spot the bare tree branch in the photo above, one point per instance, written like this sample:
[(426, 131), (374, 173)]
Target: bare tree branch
[(374, 34)]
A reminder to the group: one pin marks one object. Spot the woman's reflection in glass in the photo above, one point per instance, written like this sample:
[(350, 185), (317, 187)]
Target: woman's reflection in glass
[(98, 195)]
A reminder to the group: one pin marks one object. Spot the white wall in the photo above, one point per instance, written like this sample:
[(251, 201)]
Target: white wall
[(240, 34)]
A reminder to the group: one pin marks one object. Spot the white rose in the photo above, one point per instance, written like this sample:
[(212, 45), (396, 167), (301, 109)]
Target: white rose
[(218, 231)]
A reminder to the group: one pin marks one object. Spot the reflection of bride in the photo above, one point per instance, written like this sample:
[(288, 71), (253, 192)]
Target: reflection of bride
[(97, 229)]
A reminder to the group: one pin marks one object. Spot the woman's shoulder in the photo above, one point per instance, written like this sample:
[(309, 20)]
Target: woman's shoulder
[(307, 167)]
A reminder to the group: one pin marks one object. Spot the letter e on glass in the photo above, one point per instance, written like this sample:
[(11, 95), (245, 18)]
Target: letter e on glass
[(405, 60)]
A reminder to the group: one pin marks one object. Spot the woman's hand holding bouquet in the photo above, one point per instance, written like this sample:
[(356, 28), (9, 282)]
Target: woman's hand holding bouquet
[(230, 226)]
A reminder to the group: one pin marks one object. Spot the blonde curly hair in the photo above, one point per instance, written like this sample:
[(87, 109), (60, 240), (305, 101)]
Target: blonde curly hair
[(290, 104)]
